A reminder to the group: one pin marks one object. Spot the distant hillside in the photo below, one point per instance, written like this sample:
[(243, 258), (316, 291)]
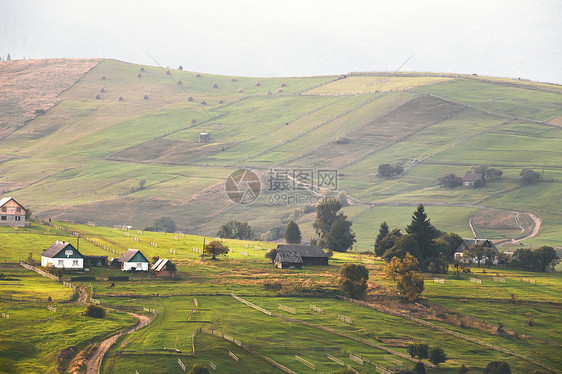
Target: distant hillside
[(122, 123)]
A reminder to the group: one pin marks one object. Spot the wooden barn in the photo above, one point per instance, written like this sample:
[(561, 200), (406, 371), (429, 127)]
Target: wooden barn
[(95, 261), (12, 213), (309, 254), (164, 268), (288, 260), (133, 260), (470, 179), (62, 255)]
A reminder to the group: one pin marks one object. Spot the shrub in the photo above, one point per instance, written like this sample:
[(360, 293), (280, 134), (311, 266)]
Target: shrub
[(198, 369), (38, 112), (353, 280), (95, 311), (498, 367), (437, 356)]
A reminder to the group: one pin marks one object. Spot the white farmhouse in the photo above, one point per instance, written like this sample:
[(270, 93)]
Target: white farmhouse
[(133, 259), (62, 255)]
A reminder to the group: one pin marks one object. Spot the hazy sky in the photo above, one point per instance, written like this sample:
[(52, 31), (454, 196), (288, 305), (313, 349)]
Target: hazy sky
[(295, 37)]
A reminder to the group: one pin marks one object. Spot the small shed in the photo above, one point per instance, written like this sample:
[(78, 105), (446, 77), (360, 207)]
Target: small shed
[(133, 260), (310, 254), (204, 137), (95, 261), (469, 179), (288, 260), (164, 268), (62, 255)]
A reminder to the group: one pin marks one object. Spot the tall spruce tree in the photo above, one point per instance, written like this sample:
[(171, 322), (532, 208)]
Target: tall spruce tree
[(383, 231), (422, 231), (293, 233), (340, 237), (326, 214)]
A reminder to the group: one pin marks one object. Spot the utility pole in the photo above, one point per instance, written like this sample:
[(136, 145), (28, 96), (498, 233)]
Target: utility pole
[(542, 176)]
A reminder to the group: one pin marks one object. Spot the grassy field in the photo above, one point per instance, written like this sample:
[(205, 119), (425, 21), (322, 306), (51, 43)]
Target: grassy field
[(84, 158)]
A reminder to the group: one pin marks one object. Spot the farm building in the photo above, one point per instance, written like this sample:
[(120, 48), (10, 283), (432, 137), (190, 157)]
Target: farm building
[(466, 244), (470, 179), (95, 261), (12, 213), (62, 255), (288, 260), (133, 260), (310, 254), (164, 268), (204, 137)]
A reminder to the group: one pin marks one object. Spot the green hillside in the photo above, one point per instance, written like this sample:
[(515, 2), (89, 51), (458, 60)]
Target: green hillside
[(83, 159)]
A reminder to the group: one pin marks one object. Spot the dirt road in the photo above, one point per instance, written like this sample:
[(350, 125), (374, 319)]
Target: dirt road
[(537, 225), (94, 363)]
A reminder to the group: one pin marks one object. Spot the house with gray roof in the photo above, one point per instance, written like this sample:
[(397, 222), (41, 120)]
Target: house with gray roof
[(62, 255), (309, 254), (133, 260), (288, 260), (12, 213)]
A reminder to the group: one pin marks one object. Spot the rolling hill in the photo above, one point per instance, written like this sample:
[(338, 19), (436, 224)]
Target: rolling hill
[(118, 123)]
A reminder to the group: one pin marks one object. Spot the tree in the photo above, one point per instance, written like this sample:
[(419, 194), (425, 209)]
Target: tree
[(419, 350), (142, 182), (165, 224), (459, 266), (453, 239), (340, 237), (478, 251), (155, 259), (236, 230), (449, 181), (180, 67), (271, 254), (403, 245), (422, 231), (419, 368), (489, 255), (492, 173), (28, 213), (30, 259), (498, 367), (529, 176), (387, 170), (388, 242), (293, 233), (409, 282), (326, 214), (353, 280), (437, 356), (198, 369), (96, 311), (8, 58), (383, 231), (545, 258), (215, 248)]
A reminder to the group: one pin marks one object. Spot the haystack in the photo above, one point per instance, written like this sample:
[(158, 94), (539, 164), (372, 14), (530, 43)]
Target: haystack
[(279, 90), (168, 72), (221, 101), (240, 91), (193, 121), (215, 85), (103, 77), (283, 84), (120, 98), (234, 80), (139, 75), (98, 97), (197, 75), (146, 97), (180, 83), (258, 83), (190, 98), (102, 90), (268, 92), (141, 69), (203, 102)]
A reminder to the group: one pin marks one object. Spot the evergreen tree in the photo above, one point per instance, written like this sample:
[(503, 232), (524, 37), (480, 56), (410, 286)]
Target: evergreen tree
[(293, 233), (340, 237), (326, 214), (8, 58), (383, 231), (422, 231)]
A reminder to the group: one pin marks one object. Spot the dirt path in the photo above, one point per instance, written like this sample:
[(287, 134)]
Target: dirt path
[(537, 225), (94, 363)]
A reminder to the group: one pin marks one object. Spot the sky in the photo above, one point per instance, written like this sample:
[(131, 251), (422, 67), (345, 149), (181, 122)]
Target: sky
[(517, 39)]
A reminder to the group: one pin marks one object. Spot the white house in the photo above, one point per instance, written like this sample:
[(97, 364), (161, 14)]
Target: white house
[(12, 213), (62, 255), (133, 259)]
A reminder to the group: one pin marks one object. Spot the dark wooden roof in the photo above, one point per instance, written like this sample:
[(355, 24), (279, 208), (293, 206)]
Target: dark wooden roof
[(469, 177), (471, 242), (303, 250), (288, 257)]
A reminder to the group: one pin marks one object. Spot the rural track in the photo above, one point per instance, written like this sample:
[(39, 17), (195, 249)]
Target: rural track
[(93, 364)]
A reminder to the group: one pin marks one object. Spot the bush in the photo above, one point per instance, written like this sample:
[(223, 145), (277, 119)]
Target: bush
[(437, 356), (198, 369), (95, 311), (498, 367), (419, 368), (353, 280)]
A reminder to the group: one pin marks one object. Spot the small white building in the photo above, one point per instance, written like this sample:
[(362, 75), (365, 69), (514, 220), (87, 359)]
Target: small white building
[(134, 260), (62, 255)]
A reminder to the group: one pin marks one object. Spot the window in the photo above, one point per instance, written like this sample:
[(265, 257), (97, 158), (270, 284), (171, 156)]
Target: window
[(4, 209), (139, 266), (74, 262), (17, 218), (60, 262), (18, 210), (3, 218)]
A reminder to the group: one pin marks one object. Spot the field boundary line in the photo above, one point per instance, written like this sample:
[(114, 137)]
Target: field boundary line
[(248, 349), (450, 332)]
